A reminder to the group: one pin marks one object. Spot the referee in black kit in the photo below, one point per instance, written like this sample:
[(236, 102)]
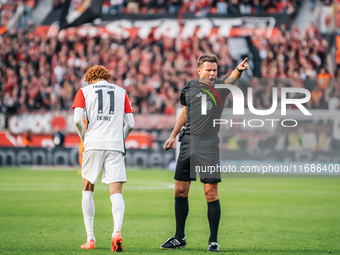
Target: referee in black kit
[(199, 145)]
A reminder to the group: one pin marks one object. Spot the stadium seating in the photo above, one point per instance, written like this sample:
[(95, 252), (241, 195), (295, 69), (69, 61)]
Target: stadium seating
[(44, 73)]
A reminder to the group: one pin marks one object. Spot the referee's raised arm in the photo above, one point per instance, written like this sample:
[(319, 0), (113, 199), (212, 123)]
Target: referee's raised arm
[(237, 72)]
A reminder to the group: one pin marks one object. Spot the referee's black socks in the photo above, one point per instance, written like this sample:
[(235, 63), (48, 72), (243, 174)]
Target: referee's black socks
[(214, 215), (181, 213)]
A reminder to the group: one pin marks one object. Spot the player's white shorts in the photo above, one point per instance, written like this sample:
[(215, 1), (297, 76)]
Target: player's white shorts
[(112, 163)]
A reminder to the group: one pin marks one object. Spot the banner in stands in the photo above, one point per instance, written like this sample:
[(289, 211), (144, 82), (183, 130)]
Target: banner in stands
[(136, 140), (83, 11), (47, 123), (172, 27), (11, 156), (41, 123), (146, 158)]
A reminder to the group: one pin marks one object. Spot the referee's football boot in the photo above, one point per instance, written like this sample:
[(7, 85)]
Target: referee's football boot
[(173, 243), (214, 247)]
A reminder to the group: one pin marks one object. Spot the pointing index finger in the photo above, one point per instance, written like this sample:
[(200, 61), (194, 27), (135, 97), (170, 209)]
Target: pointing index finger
[(244, 61)]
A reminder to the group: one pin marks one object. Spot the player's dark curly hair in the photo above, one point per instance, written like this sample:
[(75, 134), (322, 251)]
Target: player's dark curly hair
[(207, 58), (97, 72)]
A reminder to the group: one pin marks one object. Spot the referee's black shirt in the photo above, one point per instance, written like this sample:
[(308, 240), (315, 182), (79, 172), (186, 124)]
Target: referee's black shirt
[(196, 123)]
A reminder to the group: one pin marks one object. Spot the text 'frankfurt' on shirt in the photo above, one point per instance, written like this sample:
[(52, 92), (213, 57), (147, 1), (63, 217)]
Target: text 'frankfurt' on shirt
[(103, 86)]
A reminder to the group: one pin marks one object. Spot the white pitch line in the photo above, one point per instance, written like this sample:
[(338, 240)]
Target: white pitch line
[(38, 186), (22, 186), (320, 192)]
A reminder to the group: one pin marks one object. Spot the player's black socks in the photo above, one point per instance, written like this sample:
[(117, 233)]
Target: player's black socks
[(181, 213), (214, 215)]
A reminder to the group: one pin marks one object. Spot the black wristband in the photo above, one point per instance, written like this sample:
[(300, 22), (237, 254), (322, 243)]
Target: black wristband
[(239, 70)]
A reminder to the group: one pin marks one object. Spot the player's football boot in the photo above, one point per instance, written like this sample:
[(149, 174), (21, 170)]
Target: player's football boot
[(89, 245), (173, 243), (214, 247), (117, 242)]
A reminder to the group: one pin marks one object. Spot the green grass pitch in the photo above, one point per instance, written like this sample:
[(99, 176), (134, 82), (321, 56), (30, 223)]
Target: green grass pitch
[(41, 214)]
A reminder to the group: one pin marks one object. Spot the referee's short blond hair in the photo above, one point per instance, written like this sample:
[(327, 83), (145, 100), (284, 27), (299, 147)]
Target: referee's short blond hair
[(207, 58)]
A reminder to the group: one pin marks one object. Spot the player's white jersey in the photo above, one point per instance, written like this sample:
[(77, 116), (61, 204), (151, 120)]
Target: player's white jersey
[(105, 105)]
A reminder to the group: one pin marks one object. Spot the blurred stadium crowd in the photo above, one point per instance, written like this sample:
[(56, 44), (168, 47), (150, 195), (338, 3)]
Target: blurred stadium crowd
[(44, 73), (200, 7)]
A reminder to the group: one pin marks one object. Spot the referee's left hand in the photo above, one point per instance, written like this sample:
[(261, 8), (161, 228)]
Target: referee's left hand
[(243, 66), (170, 144)]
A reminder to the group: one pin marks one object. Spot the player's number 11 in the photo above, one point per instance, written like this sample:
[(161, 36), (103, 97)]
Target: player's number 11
[(100, 101)]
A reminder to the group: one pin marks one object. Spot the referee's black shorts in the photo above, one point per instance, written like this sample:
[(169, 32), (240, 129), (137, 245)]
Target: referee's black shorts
[(198, 155)]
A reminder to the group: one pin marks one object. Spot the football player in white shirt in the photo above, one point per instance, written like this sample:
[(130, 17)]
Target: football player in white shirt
[(105, 105)]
